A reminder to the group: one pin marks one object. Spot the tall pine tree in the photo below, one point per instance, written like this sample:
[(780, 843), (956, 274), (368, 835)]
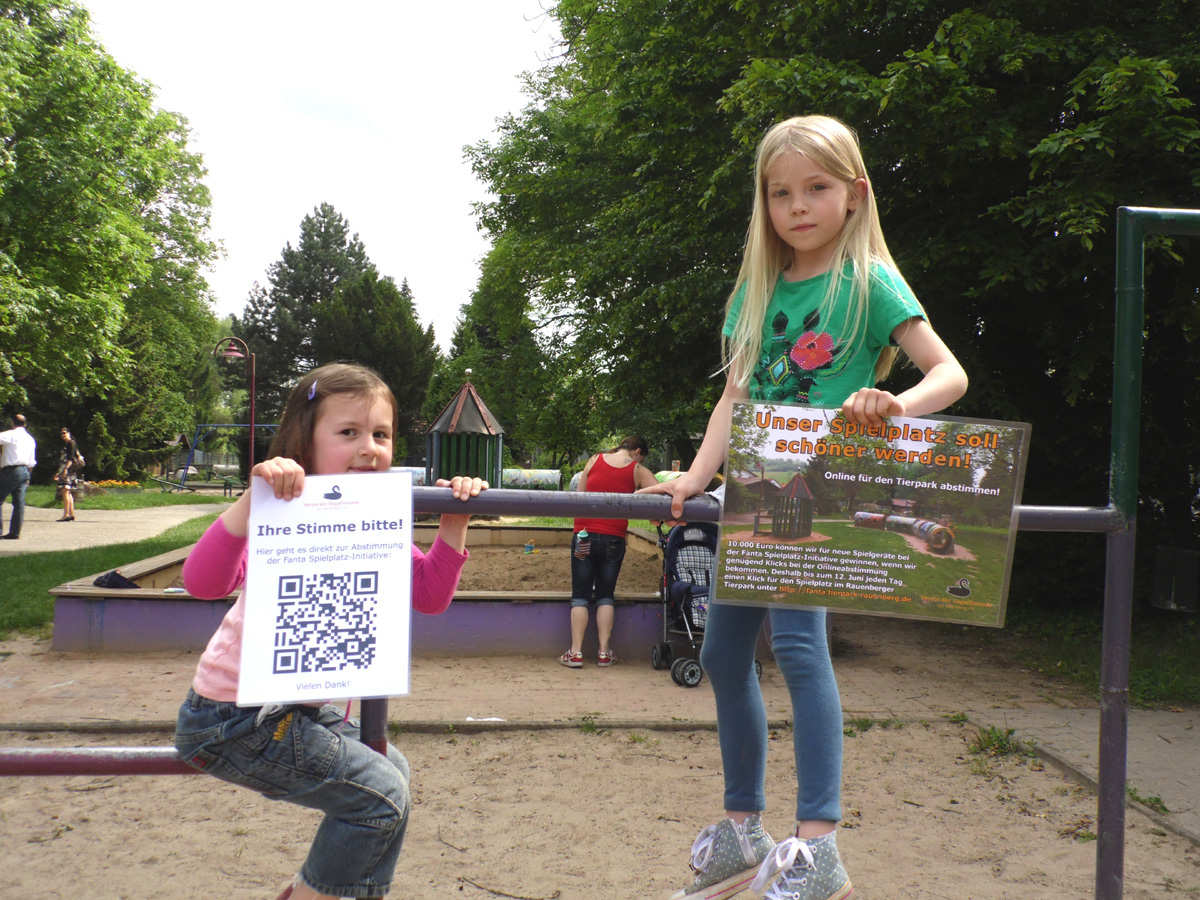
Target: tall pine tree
[(278, 321), (373, 322)]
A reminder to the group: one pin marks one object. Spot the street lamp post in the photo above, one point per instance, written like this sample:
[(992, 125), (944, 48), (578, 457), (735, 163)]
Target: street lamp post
[(231, 351)]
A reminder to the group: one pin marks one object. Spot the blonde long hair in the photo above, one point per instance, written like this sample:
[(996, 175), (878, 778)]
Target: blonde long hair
[(834, 147)]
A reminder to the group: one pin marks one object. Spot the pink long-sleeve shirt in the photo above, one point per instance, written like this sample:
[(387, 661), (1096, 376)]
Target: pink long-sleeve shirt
[(217, 566)]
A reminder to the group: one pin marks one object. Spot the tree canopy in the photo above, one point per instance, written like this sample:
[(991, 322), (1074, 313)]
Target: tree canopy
[(278, 322), (545, 407), (373, 322), (1001, 137), (327, 303), (104, 315)]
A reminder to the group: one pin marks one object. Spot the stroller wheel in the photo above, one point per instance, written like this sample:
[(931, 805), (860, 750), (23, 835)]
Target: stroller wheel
[(687, 672), (661, 656), (675, 668), (758, 670)]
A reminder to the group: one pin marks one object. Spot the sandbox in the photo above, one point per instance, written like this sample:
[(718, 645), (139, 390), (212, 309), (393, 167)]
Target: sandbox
[(158, 615)]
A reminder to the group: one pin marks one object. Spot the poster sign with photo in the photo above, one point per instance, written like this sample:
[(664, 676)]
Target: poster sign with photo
[(328, 591), (915, 517)]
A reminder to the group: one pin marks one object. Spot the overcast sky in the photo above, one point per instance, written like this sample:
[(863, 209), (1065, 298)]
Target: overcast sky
[(365, 105)]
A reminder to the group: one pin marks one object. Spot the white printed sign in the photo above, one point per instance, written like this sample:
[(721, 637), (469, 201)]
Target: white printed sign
[(328, 591)]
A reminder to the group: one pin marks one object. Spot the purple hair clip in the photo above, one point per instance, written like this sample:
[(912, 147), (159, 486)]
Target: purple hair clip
[(312, 390)]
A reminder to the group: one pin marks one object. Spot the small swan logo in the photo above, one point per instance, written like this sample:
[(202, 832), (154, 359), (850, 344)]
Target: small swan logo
[(962, 589), (335, 494)]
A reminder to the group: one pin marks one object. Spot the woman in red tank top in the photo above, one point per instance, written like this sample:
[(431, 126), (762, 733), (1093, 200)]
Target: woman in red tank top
[(598, 546)]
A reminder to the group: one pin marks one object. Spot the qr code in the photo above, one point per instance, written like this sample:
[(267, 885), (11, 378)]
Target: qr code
[(326, 622)]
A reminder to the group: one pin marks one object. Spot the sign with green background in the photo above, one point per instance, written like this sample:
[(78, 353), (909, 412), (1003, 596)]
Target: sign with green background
[(915, 517)]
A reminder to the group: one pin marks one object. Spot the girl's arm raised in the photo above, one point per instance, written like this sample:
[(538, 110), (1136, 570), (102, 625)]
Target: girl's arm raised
[(453, 527), (285, 475), (944, 381), (712, 452)]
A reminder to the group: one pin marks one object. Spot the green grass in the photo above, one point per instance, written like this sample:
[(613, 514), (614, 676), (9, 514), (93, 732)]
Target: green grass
[(28, 607), (1164, 665), (1155, 803), (993, 741), (42, 496), (859, 725)]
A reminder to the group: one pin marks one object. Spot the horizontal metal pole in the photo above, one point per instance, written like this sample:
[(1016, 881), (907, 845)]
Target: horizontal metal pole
[(512, 502), (1103, 519), (94, 761), (703, 508), (165, 761), (1153, 220)]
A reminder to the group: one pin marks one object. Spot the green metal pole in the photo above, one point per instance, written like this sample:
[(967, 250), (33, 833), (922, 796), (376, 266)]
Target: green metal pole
[(1118, 581), (1127, 362), (1132, 226)]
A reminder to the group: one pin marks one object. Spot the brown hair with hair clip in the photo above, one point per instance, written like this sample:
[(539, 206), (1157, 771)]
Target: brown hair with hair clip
[(294, 437)]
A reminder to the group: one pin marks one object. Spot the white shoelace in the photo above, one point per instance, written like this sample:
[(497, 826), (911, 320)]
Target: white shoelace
[(780, 860), (702, 849)]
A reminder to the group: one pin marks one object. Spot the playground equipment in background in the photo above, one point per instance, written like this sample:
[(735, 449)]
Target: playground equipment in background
[(532, 479), (791, 511), (716, 482), (938, 537), (465, 439), (203, 431)]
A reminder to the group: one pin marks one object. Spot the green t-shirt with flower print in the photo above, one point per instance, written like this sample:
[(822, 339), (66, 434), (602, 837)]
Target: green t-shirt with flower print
[(800, 362)]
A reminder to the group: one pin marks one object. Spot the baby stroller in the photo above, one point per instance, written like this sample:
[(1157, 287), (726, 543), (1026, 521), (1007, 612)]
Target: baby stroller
[(689, 562)]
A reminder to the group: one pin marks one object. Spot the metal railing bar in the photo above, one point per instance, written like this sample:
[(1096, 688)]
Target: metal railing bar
[(94, 761), (165, 761)]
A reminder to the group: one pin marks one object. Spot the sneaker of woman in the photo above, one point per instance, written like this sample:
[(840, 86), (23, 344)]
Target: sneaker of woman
[(725, 857), (803, 870), (571, 659)]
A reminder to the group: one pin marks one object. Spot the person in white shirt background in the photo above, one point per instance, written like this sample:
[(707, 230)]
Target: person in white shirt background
[(17, 457)]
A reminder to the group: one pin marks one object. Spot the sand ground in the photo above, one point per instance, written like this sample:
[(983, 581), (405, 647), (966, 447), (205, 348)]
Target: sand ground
[(584, 783)]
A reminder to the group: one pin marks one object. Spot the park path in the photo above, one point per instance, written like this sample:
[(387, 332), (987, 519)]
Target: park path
[(93, 527)]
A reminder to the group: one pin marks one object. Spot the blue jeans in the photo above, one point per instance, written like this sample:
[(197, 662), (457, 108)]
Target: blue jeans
[(597, 571), (304, 755), (13, 481), (801, 649)]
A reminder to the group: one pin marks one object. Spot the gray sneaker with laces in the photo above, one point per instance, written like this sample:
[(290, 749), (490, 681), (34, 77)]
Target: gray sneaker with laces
[(803, 870), (725, 857)]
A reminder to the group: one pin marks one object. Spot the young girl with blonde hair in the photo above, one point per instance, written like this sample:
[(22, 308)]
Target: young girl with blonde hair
[(817, 315)]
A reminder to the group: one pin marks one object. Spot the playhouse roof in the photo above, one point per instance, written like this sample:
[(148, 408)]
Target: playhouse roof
[(796, 488), (756, 483), (466, 413)]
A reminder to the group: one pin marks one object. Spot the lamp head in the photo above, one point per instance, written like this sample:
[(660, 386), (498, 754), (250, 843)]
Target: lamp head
[(227, 349)]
